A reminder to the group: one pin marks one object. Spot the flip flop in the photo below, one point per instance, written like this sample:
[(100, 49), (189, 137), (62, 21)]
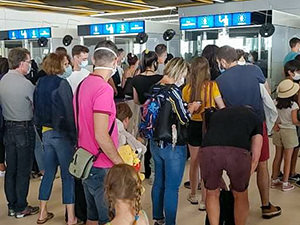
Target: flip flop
[(49, 217)]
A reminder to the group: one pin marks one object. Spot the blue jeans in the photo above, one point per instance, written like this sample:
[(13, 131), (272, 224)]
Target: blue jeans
[(58, 151), (97, 208), (19, 140), (169, 168)]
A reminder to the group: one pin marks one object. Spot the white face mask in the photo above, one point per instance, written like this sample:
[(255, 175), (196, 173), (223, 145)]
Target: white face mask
[(297, 76), (113, 70), (241, 63), (29, 69), (84, 64), (180, 82)]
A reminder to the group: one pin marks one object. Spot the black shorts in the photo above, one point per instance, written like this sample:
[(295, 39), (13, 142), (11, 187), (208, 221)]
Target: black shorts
[(195, 133)]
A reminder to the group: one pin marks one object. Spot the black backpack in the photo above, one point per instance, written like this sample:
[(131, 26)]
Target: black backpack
[(226, 209)]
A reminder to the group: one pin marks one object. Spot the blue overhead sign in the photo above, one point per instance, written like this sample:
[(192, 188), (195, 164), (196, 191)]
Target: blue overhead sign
[(187, 23), (137, 27), (96, 30), (29, 33), (223, 20), (122, 28), (214, 21), (205, 21), (117, 28), (239, 19)]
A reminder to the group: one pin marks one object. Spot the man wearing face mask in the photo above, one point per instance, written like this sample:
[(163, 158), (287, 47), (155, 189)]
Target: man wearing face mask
[(117, 77), (16, 98), (96, 111), (80, 56), (239, 86)]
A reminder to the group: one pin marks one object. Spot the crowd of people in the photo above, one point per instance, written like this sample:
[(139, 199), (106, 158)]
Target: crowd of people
[(218, 108)]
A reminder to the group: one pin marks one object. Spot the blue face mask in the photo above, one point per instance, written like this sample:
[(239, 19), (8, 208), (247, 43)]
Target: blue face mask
[(84, 64), (221, 69), (67, 73)]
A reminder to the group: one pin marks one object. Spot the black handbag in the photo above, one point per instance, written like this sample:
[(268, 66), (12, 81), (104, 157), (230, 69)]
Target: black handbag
[(166, 119), (208, 110)]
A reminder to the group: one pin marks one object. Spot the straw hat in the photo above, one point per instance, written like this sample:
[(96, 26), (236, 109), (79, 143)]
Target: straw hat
[(287, 88)]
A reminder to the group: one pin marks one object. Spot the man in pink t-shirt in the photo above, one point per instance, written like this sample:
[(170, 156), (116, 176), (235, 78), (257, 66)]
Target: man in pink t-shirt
[(97, 128)]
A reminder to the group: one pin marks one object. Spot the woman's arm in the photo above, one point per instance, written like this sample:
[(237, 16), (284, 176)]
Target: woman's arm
[(219, 102), (294, 117), (179, 107), (136, 97)]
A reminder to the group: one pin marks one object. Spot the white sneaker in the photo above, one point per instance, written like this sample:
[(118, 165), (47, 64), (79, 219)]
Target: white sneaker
[(287, 186), (193, 199), (202, 206), (2, 173)]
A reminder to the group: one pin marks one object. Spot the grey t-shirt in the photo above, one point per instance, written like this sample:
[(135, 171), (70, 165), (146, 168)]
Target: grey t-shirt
[(160, 69), (16, 97)]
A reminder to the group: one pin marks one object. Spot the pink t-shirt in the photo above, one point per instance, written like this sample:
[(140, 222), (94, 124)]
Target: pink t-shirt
[(95, 96)]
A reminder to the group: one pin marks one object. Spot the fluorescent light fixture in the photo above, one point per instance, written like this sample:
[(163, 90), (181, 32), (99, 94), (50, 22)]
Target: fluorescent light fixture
[(132, 4), (151, 17), (133, 12), (220, 1), (41, 6)]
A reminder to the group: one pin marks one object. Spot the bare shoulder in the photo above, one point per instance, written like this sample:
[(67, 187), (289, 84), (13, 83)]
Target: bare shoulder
[(143, 220)]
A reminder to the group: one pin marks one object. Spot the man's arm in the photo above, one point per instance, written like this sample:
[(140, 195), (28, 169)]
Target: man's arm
[(256, 145), (103, 138)]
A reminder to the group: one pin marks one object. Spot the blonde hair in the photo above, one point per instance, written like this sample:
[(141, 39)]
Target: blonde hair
[(122, 182), (200, 74), (177, 68)]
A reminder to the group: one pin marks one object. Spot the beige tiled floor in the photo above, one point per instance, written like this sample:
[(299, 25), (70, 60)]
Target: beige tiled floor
[(187, 213)]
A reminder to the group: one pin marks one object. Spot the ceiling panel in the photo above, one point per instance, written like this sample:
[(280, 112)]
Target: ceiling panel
[(90, 7)]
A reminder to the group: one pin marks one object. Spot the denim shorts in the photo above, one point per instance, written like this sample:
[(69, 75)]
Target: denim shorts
[(97, 207)]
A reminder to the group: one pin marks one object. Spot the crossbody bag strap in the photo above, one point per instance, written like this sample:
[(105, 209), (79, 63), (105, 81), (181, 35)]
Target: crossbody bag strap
[(77, 110)]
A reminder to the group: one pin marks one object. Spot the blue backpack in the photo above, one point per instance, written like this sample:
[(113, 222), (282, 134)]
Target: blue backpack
[(150, 111)]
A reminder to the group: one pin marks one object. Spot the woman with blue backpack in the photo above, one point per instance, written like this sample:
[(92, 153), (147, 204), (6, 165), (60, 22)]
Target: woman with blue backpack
[(168, 139)]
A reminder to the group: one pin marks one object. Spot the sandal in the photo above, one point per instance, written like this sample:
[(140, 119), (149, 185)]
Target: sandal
[(49, 217)]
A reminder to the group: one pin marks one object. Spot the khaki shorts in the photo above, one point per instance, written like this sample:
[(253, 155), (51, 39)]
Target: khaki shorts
[(286, 138)]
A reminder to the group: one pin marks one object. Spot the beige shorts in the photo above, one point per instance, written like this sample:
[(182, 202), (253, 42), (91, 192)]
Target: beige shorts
[(286, 138)]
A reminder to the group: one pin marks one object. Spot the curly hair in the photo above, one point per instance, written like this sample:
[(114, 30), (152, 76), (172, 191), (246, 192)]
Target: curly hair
[(122, 182)]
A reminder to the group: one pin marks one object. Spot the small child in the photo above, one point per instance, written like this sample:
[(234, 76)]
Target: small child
[(124, 114), (285, 135), (123, 189)]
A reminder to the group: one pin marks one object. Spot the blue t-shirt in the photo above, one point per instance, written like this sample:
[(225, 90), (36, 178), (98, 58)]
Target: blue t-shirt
[(239, 86), (290, 56)]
